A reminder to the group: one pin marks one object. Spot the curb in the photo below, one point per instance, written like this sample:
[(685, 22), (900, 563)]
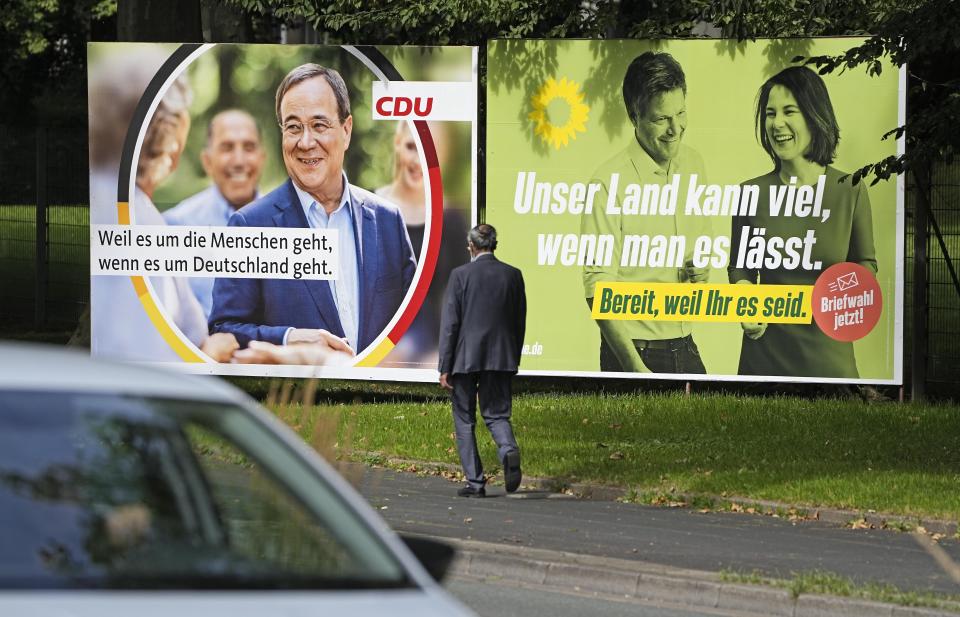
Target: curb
[(658, 584), (602, 492)]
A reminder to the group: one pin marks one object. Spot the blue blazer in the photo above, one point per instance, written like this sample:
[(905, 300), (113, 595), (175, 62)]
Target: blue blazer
[(263, 309)]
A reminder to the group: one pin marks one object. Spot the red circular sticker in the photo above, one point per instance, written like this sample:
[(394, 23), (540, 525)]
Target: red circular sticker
[(847, 301)]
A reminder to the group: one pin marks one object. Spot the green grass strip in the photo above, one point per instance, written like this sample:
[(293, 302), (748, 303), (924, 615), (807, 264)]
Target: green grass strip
[(828, 583), (901, 459)]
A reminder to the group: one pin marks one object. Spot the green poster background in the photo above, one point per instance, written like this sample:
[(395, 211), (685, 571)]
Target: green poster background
[(723, 78)]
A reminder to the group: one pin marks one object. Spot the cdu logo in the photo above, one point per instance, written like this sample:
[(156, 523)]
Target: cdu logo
[(424, 100), (403, 107)]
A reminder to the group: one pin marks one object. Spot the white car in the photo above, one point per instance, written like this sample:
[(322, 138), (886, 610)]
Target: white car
[(130, 491)]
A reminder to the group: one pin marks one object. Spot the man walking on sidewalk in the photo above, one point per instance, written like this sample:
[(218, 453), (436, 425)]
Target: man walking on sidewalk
[(481, 336)]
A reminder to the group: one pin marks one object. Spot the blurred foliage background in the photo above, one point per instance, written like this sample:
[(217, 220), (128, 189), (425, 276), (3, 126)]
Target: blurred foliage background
[(246, 77)]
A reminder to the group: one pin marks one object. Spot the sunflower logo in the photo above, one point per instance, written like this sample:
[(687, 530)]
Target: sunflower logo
[(553, 92)]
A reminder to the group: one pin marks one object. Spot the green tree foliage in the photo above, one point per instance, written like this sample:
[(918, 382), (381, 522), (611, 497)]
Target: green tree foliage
[(921, 33), (43, 51), (468, 22)]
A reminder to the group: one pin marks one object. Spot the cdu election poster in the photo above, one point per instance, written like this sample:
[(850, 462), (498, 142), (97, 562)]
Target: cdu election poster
[(688, 209), (278, 210)]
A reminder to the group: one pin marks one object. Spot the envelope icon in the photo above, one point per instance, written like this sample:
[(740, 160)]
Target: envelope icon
[(846, 281)]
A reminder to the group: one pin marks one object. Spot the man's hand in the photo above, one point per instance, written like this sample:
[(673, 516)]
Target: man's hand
[(753, 330), (220, 346), (314, 354), (691, 274), (310, 335), (445, 381), (622, 345)]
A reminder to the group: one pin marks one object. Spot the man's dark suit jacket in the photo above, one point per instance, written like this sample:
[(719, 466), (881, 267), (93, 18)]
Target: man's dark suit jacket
[(484, 318), (263, 309)]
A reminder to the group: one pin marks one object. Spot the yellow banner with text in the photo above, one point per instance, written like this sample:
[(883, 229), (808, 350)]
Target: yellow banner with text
[(789, 304)]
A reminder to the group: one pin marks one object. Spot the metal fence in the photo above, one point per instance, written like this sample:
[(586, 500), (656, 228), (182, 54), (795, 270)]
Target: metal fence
[(44, 250), (44, 227), (942, 370)]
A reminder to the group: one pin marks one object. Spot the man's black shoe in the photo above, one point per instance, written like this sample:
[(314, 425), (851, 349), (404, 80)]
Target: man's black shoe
[(511, 470), (469, 491)]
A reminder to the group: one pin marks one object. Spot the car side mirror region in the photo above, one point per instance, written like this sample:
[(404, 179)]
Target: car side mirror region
[(435, 556)]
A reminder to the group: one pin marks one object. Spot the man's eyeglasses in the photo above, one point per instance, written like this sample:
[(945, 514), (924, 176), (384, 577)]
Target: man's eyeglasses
[(294, 129)]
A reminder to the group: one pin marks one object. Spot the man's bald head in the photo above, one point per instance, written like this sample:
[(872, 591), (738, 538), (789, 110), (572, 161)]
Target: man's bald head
[(233, 156)]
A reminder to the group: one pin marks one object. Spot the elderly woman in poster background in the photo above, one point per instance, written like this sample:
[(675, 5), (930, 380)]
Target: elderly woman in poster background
[(121, 327), (797, 127)]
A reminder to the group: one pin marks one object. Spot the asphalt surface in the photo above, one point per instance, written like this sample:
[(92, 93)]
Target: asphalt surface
[(672, 537)]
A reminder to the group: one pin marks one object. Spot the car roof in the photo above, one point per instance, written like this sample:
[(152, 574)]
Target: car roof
[(25, 366)]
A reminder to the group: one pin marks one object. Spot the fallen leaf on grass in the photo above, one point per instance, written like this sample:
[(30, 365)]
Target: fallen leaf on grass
[(661, 500), (616, 456), (617, 426)]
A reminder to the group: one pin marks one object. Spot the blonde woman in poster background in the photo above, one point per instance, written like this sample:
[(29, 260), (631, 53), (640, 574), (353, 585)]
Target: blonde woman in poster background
[(406, 190)]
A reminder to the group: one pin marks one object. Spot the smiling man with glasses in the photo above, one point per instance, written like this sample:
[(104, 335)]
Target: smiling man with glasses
[(376, 259)]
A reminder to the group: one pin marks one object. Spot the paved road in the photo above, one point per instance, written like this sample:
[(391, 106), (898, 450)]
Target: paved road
[(678, 538), (497, 599)]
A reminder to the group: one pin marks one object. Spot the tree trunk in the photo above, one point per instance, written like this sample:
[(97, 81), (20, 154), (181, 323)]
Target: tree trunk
[(162, 21), (225, 24)]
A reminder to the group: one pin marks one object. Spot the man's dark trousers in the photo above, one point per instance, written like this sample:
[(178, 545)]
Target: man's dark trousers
[(494, 390)]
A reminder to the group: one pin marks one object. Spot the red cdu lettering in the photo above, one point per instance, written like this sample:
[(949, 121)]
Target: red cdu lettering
[(427, 106), (401, 106), (382, 105)]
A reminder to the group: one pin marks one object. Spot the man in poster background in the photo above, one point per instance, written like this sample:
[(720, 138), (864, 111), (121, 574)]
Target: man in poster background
[(233, 158), (654, 92)]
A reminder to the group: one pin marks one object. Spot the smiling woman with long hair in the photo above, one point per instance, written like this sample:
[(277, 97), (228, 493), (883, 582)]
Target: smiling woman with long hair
[(797, 127)]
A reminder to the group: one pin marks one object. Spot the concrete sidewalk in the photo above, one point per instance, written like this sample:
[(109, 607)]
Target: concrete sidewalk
[(669, 554)]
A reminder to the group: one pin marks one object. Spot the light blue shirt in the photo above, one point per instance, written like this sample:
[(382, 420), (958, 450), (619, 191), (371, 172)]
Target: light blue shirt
[(346, 287), (208, 207)]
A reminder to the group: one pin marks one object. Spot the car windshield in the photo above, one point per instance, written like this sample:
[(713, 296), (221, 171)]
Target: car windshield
[(108, 491)]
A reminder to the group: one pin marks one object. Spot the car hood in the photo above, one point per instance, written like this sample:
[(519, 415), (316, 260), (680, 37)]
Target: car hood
[(397, 603)]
